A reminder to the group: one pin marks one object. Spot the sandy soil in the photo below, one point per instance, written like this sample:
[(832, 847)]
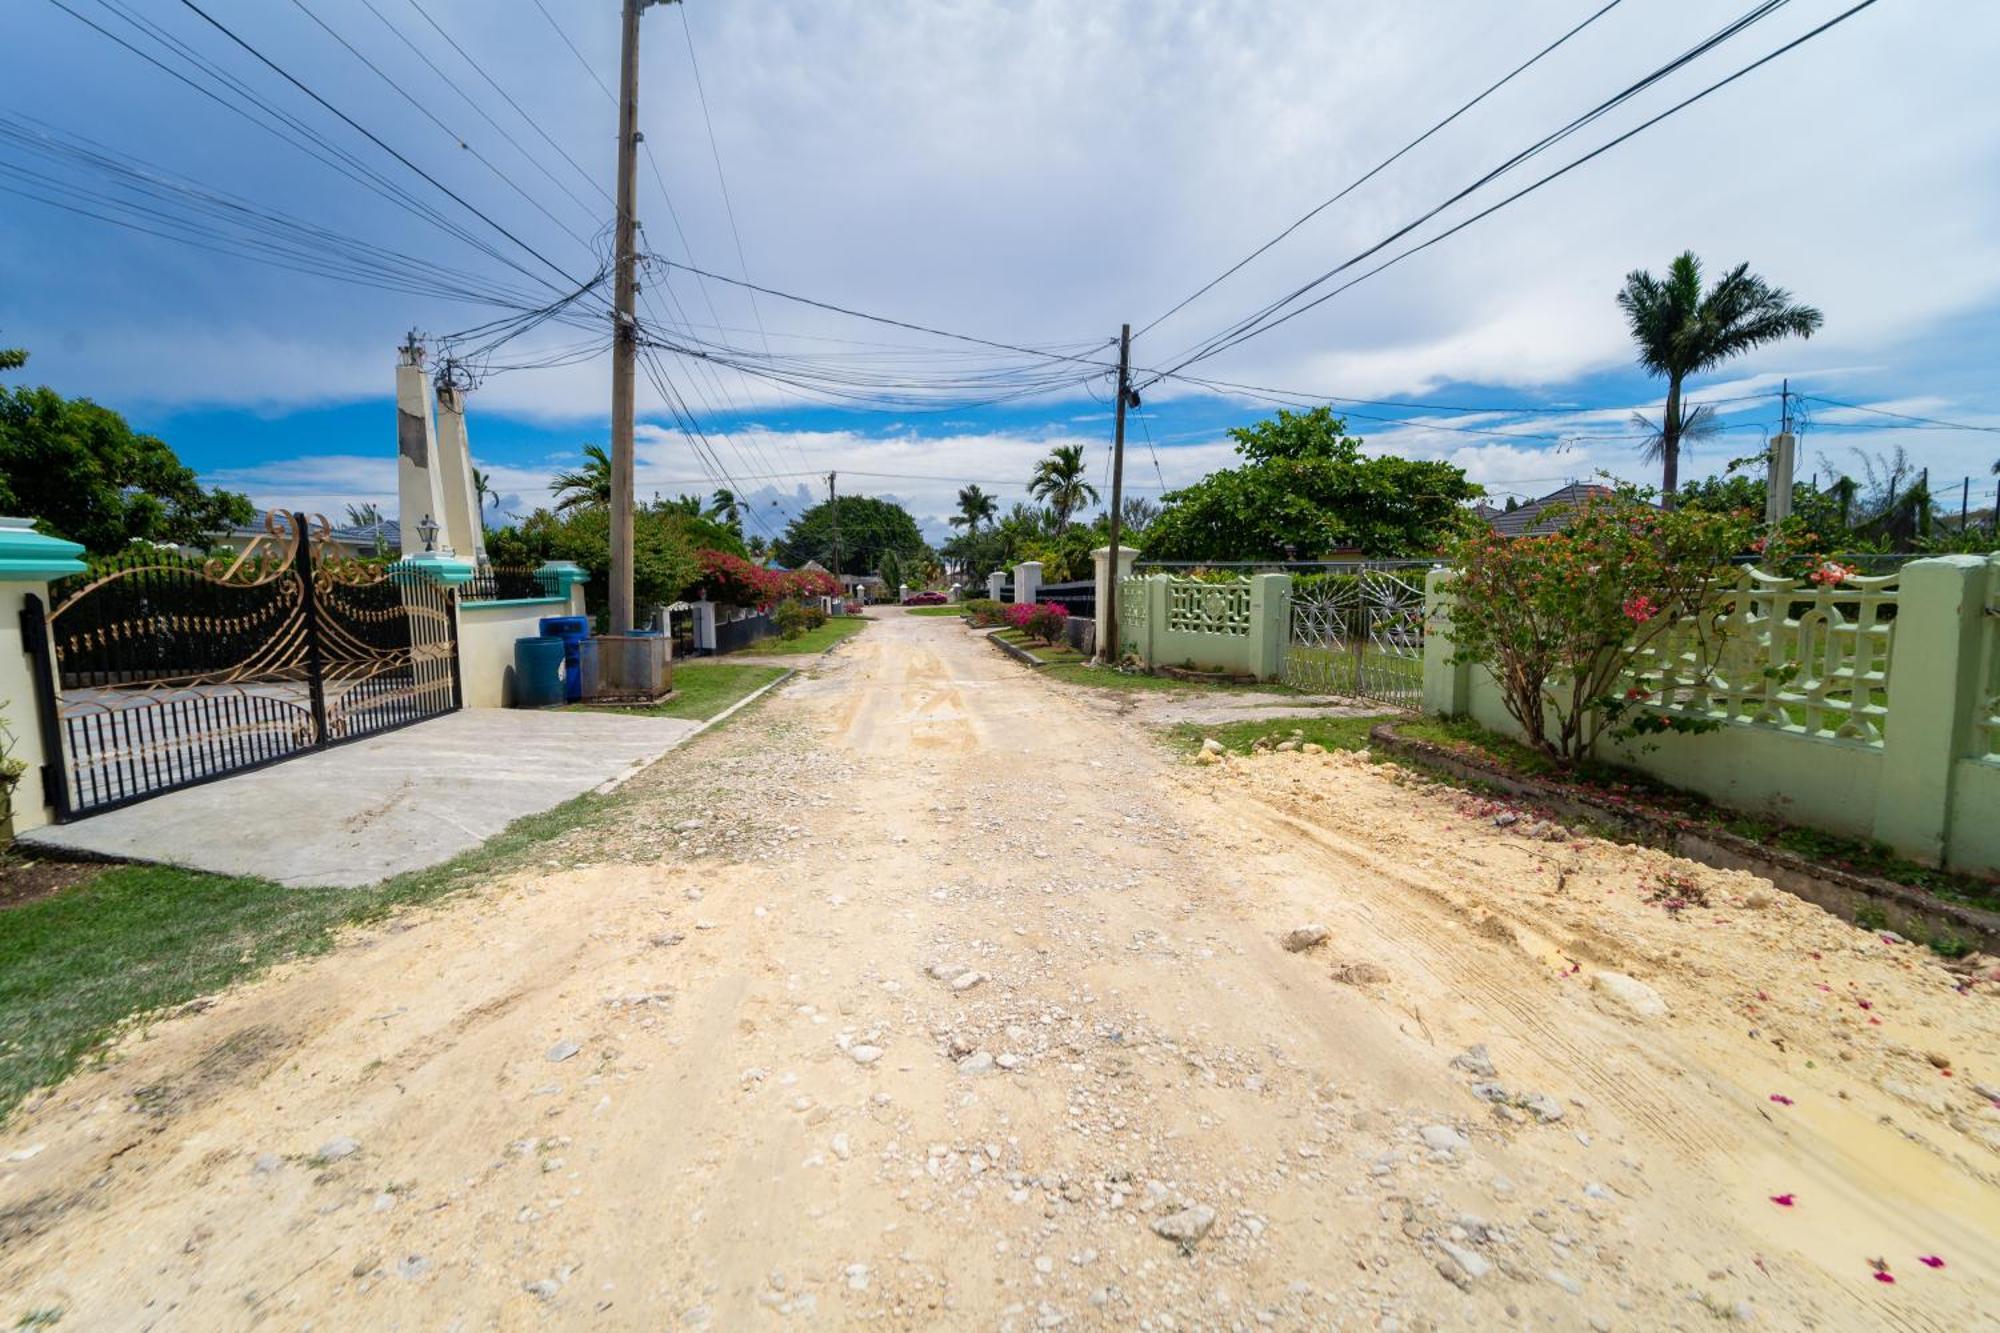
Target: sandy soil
[(717, 1064)]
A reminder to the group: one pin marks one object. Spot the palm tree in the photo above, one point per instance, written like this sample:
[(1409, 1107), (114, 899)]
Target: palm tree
[(974, 507), (1680, 331), (482, 490), (1697, 423), (588, 487), (727, 509), (364, 515), (1059, 483)]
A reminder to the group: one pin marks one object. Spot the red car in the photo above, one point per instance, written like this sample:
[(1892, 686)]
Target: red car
[(926, 599)]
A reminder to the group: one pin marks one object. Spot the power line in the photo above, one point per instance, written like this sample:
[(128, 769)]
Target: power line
[(1375, 170), (1266, 319), (375, 139), (1900, 416)]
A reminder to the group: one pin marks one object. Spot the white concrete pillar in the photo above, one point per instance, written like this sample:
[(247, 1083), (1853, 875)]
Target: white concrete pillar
[(996, 583), (28, 560), (902, 592), (418, 489), (1778, 472), (1100, 560), (1027, 580), (463, 530), (704, 627)]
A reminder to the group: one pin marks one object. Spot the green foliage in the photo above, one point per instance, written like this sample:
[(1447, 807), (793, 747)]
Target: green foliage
[(585, 487), (84, 474), (985, 611), (790, 618), (1553, 616), (665, 539), (1304, 490), (869, 529)]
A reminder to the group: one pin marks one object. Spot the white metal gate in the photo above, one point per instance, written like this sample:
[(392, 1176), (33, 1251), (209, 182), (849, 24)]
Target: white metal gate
[(1359, 631)]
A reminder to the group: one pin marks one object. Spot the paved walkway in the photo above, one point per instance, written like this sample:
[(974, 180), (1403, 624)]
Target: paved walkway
[(396, 802)]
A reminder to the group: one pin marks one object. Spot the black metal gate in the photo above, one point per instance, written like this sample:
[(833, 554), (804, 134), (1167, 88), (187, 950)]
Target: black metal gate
[(157, 672)]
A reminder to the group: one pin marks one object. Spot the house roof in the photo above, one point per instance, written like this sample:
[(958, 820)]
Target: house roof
[(1527, 521)]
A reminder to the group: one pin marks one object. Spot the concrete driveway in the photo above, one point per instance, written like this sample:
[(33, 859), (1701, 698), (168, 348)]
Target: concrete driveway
[(395, 802)]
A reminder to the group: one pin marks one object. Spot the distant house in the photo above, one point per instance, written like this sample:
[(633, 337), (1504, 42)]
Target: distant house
[(1529, 520)]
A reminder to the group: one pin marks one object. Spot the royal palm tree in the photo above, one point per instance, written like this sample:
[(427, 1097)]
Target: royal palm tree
[(587, 487), (974, 507), (1059, 483), (1682, 331), (1699, 422)]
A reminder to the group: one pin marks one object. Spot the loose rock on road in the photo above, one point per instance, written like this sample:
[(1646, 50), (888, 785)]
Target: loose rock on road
[(928, 994)]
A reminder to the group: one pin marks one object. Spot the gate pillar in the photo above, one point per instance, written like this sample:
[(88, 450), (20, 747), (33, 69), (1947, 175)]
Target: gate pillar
[(28, 560)]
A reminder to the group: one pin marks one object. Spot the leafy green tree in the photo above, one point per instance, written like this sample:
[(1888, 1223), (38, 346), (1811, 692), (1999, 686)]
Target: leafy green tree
[(13, 358), (891, 573), (86, 475), (1682, 331), (1059, 483), (581, 488), (1305, 489), (1136, 515), (665, 540), (869, 527)]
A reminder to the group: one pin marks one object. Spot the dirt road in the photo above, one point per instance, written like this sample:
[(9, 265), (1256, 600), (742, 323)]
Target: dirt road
[(927, 996)]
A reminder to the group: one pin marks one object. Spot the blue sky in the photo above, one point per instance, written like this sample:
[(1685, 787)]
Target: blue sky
[(1029, 172)]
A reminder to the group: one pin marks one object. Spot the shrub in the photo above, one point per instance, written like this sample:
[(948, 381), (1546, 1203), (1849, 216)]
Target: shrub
[(815, 614), (1554, 617), (1047, 621), (985, 611), (790, 618)]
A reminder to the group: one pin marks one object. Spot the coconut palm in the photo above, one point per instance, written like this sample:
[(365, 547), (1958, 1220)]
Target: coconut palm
[(1682, 331), (587, 487), (974, 507), (1059, 483), (364, 515)]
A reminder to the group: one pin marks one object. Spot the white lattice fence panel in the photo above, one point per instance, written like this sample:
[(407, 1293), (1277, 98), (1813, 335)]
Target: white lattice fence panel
[(1195, 607), (1988, 717)]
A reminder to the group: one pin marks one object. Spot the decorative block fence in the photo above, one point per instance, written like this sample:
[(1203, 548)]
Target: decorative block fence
[(1889, 730), (1237, 625)]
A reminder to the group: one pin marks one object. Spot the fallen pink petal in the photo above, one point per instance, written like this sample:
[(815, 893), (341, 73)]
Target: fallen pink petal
[(1930, 1261), (1781, 1099), (1785, 1200)]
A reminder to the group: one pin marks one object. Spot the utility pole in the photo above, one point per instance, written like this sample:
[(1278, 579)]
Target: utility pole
[(833, 508), (1108, 650), (625, 331)]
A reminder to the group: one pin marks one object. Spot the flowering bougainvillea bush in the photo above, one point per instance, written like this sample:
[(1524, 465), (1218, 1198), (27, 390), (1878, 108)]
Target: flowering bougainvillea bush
[(1554, 617), (734, 581), (1039, 620)]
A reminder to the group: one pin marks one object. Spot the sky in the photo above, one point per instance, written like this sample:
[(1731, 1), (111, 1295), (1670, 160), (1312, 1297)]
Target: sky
[(1024, 172)]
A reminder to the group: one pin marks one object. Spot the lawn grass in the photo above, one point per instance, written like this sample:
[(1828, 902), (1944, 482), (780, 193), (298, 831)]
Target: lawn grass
[(1080, 672), (835, 630), (137, 939), (704, 687), (1053, 654), (934, 610)]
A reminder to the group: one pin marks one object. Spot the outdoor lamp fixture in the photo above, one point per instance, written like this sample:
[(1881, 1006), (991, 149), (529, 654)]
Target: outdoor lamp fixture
[(428, 530)]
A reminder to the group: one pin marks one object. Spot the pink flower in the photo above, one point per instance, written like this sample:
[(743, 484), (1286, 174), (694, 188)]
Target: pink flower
[(1884, 1276), (1785, 1200), (1639, 608), (1781, 1099), (1930, 1261)]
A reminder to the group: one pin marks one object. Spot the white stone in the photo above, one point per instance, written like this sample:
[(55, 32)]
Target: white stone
[(1629, 994)]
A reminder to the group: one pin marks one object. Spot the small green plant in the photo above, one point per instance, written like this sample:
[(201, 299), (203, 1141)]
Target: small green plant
[(1871, 917), (11, 772), (790, 618), (984, 611)]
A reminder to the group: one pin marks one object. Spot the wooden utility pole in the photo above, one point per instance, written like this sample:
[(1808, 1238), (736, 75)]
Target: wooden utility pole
[(833, 511), (1108, 650), (625, 332)]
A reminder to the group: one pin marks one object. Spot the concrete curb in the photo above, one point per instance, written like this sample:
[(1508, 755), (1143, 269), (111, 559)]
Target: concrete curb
[(1908, 911), (610, 785)]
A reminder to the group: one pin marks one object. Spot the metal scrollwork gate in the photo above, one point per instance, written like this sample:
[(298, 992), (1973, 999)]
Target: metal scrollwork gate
[(1359, 632), (159, 672)]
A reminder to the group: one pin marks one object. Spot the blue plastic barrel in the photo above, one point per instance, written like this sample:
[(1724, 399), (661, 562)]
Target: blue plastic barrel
[(538, 672), (574, 631)]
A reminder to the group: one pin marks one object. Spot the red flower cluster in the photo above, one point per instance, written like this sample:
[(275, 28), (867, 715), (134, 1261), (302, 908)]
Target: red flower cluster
[(734, 581), (1640, 608)]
